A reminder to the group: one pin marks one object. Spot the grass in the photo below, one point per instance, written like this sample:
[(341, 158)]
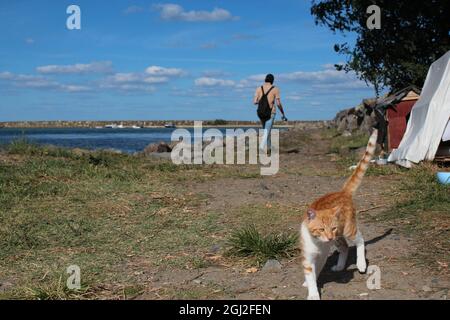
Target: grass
[(346, 148), (342, 145), (423, 212), (249, 242), (94, 210), (24, 147)]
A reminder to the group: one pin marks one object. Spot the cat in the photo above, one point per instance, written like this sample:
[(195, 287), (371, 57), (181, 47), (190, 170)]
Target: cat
[(332, 220)]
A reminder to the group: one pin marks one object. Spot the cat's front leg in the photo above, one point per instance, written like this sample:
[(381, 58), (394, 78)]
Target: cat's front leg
[(360, 252), (309, 267), (342, 246)]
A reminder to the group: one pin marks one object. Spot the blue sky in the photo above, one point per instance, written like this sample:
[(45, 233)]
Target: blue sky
[(151, 60)]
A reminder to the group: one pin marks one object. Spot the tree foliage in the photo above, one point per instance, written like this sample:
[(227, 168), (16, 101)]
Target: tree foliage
[(413, 34)]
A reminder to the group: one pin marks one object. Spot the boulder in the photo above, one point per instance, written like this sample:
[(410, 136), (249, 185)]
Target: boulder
[(161, 147)]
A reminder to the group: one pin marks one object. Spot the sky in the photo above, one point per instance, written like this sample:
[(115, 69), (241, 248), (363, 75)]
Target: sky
[(175, 60)]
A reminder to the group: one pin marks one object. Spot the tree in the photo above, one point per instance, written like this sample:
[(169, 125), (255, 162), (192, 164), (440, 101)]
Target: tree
[(413, 34)]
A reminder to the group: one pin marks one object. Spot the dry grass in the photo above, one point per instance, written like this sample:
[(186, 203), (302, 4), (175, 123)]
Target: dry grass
[(94, 210), (423, 212)]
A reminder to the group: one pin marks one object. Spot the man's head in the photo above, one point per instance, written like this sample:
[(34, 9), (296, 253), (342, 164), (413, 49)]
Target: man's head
[(270, 78)]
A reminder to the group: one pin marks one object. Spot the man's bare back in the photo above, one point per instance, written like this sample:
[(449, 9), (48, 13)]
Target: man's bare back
[(272, 97)]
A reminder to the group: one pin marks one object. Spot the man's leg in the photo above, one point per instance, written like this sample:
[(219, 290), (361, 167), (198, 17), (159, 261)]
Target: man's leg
[(264, 138), (269, 125)]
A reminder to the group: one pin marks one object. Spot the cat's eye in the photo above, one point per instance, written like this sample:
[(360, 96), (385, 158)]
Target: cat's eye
[(321, 230), (334, 229)]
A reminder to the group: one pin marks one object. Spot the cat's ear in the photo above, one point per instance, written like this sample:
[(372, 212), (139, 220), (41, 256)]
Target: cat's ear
[(311, 214)]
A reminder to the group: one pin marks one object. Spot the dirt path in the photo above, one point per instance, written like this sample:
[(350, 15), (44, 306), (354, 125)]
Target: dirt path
[(303, 177)]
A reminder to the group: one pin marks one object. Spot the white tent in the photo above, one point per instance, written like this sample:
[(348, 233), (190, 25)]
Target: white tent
[(429, 117)]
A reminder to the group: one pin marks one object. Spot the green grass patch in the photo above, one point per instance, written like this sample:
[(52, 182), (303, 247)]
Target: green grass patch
[(343, 145), (249, 242)]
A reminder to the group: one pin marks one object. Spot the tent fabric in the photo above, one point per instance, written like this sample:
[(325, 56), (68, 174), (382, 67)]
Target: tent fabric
[(446, 135), (428, 119)]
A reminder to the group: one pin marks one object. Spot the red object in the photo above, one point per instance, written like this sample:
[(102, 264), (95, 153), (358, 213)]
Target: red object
[(397, 117)]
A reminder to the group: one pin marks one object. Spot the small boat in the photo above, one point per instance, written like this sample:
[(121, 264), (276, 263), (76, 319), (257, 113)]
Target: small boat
[(111, 126), (136, 127), (170, 125)]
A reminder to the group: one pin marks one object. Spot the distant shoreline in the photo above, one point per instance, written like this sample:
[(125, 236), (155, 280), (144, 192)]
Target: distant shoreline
[(151, 124)]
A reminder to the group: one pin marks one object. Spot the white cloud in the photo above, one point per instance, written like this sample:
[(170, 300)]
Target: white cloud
[(164, 72), (326, 75), (74, 88), (39, 82), (125, 77), (251, 82), (142, 81), (156, 80), (175, 12), (130, 87), (29, 41), (94, 67), (214, 82)]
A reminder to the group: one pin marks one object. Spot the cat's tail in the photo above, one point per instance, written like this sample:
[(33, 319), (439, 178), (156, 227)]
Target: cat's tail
[(355, 180)]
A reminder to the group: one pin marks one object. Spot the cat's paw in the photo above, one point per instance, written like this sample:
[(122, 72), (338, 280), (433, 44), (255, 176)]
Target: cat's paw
[(362, 266), (314, 297), (305, 284), (337, 268)]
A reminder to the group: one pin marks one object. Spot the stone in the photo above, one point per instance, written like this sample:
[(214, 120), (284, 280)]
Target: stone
[(426, 289), (346, 134), (161, 147), (272, 266)]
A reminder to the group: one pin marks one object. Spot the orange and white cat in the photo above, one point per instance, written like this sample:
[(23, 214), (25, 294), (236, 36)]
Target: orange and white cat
[(332, 220)]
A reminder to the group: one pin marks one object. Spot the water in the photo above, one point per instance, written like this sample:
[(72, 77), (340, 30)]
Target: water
[(125, 140)]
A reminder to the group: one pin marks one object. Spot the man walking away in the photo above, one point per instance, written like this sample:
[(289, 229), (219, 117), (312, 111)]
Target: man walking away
[(265, 97)]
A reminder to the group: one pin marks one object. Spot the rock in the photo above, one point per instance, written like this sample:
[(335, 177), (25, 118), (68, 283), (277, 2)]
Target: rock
[(198, 281), (161, 147), (364, 294), (272, 266), (426, 289), (352, 122), (346, 134)]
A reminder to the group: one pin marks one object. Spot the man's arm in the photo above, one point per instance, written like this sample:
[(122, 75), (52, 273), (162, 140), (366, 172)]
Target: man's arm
[(257, 97), (280, 106)]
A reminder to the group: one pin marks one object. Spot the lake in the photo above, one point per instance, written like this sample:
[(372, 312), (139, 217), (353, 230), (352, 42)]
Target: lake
[(125, 140)]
